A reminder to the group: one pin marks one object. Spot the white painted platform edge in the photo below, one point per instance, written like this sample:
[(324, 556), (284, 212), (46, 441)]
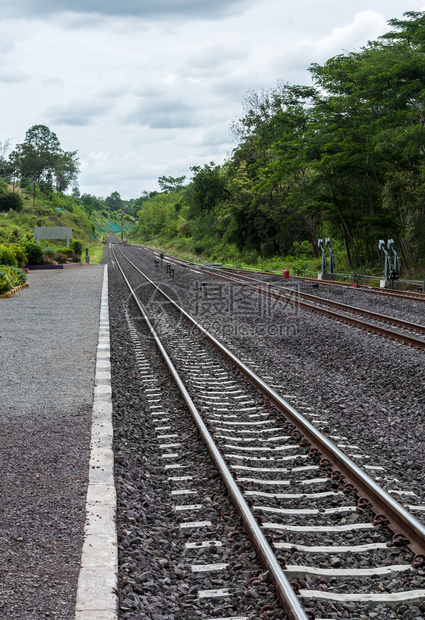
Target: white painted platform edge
[(98, 579)]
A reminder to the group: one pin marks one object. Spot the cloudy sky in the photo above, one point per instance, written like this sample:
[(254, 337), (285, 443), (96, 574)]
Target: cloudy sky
[(145, 88)]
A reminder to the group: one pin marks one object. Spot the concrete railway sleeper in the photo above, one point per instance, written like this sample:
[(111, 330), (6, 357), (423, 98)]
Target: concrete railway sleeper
[(298, 494)]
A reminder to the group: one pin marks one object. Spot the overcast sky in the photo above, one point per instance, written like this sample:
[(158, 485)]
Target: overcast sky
[(145, 88)]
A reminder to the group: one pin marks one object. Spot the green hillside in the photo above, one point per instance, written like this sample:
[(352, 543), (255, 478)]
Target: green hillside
[(56, 209)]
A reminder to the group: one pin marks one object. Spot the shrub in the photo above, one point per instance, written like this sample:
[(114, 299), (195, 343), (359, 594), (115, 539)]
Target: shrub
[(7, 256), (19, 252), (77, 246), (61, 258), (49, 251), (5, 283), (11, 201), (16, 272), (69, 255), (67, 251), (34, 252), (13, 276)]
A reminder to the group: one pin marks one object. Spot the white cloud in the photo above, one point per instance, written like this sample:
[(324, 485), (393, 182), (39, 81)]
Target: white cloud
[(76, 113), (135, 8), (13, 77), (365, 26)]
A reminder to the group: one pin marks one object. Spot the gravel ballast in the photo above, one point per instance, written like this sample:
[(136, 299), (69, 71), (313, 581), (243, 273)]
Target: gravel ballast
[(49, 334), (364, 388)]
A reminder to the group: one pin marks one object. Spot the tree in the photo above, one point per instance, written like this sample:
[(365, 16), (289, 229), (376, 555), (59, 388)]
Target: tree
[(4, 149), (66, 170), (92, 203), (10, 201), (39, 160), (114, 201), (170, 184), (208, 187)]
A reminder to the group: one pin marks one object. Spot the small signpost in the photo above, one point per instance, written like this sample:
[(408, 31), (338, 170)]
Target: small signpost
[(53, 232)]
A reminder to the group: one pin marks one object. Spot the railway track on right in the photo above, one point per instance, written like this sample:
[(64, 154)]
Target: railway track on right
[(365, 288), (402, 331)]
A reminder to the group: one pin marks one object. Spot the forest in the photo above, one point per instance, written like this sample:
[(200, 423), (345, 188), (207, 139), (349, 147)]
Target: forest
[(341, 158)]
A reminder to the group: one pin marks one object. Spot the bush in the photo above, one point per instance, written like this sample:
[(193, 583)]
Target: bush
[(49, 251), (69, 255), (61, 258), (77, 246), (67, 251), (16, 272), (11, 201), (34, 252), (5, 283), (13, 276), (19, 252), (7, 256)]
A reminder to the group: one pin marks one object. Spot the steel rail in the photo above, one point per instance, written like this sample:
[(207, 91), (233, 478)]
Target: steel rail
[(412, 296), (268, 559), (312, 307), (345, 307), (399, 519)]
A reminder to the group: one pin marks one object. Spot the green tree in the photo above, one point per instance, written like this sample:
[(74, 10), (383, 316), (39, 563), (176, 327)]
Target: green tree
[(10, 200), (208, 187), (66, 170), (39, 160), (171, 184), (114, 201)]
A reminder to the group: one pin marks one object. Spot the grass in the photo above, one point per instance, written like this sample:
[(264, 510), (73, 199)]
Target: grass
[(96, 250), (213, 251), (57, 210)]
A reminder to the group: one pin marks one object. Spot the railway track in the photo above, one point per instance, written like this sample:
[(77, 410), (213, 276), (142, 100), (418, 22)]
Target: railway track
[(310, 512), (405, 331), (409, 295), (412, 296)]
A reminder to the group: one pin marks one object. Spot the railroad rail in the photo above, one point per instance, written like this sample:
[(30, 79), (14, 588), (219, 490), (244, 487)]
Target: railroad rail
[(253, 444), (410, 295), (333, 309)]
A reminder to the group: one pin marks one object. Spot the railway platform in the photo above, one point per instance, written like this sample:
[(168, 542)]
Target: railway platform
[(49, 352)]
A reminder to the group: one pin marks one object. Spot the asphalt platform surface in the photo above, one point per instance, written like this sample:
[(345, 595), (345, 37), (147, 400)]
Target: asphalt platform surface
[(48, 338)]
